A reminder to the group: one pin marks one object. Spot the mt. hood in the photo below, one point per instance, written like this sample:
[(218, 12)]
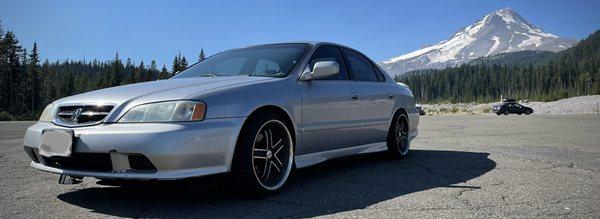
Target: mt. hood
[(498, 32)]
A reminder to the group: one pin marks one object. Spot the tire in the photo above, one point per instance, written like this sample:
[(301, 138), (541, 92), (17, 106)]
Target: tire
[(398, 140), (506, 113), (498, 113), (264, 156), (528, 112)]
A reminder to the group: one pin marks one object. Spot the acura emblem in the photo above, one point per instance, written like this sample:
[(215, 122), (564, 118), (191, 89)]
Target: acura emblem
[(76, 114)]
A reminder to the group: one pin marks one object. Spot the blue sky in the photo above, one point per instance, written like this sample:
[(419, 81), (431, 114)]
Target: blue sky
[(145, 30)]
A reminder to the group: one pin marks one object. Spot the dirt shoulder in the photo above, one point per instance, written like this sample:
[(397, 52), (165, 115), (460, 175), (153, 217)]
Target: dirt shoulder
[(573, 105)]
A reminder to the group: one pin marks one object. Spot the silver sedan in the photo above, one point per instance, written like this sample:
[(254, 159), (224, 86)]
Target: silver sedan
[(255, 113)]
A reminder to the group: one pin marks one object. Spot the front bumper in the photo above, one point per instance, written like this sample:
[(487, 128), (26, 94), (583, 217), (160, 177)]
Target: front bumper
[(176, 150)]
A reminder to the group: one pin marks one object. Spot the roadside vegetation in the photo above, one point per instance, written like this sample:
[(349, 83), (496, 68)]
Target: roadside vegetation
[(572, 72), (27, 84)]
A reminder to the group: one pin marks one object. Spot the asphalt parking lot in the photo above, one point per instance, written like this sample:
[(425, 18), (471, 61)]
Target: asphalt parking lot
[(478, 166)]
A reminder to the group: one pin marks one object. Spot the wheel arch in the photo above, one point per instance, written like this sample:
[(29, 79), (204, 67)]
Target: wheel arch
[(280, 111), (399, 111)]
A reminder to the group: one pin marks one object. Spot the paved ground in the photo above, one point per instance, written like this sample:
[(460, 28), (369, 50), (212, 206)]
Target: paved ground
[(480, 166)]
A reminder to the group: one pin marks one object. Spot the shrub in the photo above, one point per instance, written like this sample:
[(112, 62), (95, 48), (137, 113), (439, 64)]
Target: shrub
[(5, 116)]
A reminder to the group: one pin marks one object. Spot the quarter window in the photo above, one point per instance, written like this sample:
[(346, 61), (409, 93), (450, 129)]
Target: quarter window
[(379, 74), (360, 66)]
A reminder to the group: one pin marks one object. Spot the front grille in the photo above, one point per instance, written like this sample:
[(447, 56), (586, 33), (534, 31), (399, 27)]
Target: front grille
[(79, 115), (81, 161)]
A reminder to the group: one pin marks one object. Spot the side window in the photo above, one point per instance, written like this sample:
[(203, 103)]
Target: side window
[(330, 53), (360, 66)]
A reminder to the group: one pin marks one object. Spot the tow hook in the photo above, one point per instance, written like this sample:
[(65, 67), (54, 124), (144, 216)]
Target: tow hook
[(69, 180)]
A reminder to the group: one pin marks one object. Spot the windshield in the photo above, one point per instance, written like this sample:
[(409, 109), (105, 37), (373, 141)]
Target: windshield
[(264, 61)]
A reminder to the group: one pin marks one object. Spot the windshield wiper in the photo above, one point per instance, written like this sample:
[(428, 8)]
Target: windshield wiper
[(210, 75)]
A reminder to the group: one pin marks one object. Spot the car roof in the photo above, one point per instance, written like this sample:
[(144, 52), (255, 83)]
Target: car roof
[(312, 43)]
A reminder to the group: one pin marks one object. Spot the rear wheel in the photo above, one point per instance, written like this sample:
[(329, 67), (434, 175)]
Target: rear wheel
[(398, 141), (264, 155)]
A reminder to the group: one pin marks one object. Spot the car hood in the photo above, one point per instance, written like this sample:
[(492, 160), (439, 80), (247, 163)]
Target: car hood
[(155, 91)]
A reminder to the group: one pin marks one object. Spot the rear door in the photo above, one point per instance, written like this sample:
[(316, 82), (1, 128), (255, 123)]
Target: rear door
[(519, 108), (511, 108), (331, 114), (374, 95)]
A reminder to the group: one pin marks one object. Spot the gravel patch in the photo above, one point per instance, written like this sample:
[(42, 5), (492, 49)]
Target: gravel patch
[(569, 106)]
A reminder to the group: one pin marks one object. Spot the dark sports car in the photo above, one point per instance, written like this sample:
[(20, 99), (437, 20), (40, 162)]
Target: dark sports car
[(511, 107)]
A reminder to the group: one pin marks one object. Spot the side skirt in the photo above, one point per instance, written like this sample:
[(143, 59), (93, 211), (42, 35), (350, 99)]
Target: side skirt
[(306, 160)]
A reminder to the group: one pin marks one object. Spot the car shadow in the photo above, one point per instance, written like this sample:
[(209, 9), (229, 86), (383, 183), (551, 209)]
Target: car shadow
[(335, 186)]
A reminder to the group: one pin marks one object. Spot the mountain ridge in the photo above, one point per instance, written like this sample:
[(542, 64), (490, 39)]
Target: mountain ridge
[(502, 31)]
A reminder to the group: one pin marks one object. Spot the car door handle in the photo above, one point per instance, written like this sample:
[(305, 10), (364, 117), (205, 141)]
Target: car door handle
[(354, 97)]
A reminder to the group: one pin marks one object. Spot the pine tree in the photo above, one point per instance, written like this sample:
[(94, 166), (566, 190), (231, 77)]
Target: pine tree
[(33, 82), (152, 73), (140, 72), (12, 51), (177, 63), (4, 85), (48, 88), (21, 88), (164, 73), (128, 72), (184, 64), (115, 76), (201, 57)]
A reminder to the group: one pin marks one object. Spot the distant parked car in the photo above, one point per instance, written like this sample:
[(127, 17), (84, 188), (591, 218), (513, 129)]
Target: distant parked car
[(511, 107)]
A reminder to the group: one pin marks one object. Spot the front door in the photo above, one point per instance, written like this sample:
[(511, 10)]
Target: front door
[(331, 114)]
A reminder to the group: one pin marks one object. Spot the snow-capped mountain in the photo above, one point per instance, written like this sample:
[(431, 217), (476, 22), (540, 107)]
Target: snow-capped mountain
[(498, 32)]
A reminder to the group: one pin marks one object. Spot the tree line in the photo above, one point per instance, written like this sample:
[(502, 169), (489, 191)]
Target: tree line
[(571, 72), (27, 84)]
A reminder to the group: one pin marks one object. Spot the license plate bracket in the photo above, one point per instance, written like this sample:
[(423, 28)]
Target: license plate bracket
[(56, 142)]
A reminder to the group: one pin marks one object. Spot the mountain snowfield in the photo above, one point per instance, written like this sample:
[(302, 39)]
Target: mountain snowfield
[(498, 32)]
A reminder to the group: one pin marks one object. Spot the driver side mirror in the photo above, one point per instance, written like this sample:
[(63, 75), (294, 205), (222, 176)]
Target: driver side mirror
[(322, 69)]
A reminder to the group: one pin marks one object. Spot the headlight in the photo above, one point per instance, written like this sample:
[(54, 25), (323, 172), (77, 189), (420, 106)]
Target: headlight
[(47, 113), (171, 111)]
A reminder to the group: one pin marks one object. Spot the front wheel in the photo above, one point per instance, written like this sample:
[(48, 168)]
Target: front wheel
[(398, 141), (506, 112), (264, 156), (528, 112)]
